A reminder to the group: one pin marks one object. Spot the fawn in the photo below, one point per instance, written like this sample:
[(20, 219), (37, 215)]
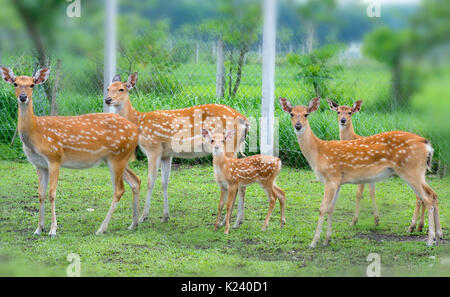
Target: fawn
[(346, 132), (162, 132), (50, 142), (231, 174), (364, 160)]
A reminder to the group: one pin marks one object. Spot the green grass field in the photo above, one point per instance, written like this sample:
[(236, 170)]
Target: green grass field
[(188, 246)]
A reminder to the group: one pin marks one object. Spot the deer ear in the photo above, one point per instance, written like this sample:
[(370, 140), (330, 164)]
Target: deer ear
[(333, 105), (8, 74), (206, 135), (41, 76), (228, 135), (132, 79), (357, 106), (116, 78), (313, 105), (285, 104)]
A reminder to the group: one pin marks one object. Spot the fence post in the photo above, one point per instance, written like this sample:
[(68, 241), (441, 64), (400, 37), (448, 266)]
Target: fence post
[(268, 78), (220, 70), (110, 46)]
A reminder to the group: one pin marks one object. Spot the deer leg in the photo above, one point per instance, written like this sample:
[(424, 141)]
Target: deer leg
[(272, 199), (282, 198), (53, 183), (240, 215), (117, 171), (359, 194), (412, 226), (165, 174), (223, 194), (42, 190), (135, 184), (330, 217), (376, 215), (422, 216), (330, 192), (154, 159), (232, 191)]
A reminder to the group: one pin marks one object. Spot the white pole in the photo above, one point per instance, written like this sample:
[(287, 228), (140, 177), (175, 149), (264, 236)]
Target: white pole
[(110, 46), (268, 78)]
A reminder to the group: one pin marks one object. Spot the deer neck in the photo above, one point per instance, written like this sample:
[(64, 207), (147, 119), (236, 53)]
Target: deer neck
[(347, 132), (220, 163), (127, 111), (309, 144), (26, 118)]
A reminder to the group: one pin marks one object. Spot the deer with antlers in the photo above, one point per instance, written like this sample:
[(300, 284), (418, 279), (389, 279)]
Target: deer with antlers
[(364, 160), (165, 134), (231, 174), (346, 132), (50, 142)]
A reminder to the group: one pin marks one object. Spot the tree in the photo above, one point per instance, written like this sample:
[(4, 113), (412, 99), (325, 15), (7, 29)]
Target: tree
[(315, 68), (238, 27), (39, 18), (389, 47), (315, 12)]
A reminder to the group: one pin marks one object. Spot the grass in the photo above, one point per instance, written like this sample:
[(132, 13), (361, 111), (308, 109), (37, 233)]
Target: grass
[(187, 244)]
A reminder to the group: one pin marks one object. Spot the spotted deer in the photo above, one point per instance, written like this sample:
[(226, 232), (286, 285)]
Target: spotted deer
[(165, 134), (346, 132), (231, 174), (50, 142), (364, 160)]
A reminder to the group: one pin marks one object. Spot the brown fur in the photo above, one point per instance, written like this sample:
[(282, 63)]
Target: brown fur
[(74, 142), (363, 160)]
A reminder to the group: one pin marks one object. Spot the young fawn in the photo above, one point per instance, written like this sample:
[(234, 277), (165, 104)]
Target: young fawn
[(231, 174), (346, 132), (50, 142), (175, 133), (364, 160)]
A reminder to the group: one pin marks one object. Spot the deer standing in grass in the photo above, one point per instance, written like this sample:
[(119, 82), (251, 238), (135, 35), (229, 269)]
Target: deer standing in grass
[(346, 132), (50, 142), (231, 174), (175, 133), (364, 160)]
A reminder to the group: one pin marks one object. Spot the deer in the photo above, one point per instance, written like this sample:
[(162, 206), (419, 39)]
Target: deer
[(346, 132), (165, 134), (231, 173), (78, 142), (364, 160)]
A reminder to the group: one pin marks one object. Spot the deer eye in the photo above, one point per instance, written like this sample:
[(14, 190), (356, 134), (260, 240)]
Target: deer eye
[(121, 90), (32, 86), (350, 113), (306, 115), (291, 114), (15, 84)]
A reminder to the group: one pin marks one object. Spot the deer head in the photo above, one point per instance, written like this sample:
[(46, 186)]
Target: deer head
[(299, 114), (345, 112), (24, 84), (118, 91)]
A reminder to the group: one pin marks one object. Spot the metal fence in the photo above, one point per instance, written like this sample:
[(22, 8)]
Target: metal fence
[(178, 72)]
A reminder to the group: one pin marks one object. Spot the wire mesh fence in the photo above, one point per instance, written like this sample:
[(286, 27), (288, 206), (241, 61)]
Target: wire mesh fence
[(179, 70)]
